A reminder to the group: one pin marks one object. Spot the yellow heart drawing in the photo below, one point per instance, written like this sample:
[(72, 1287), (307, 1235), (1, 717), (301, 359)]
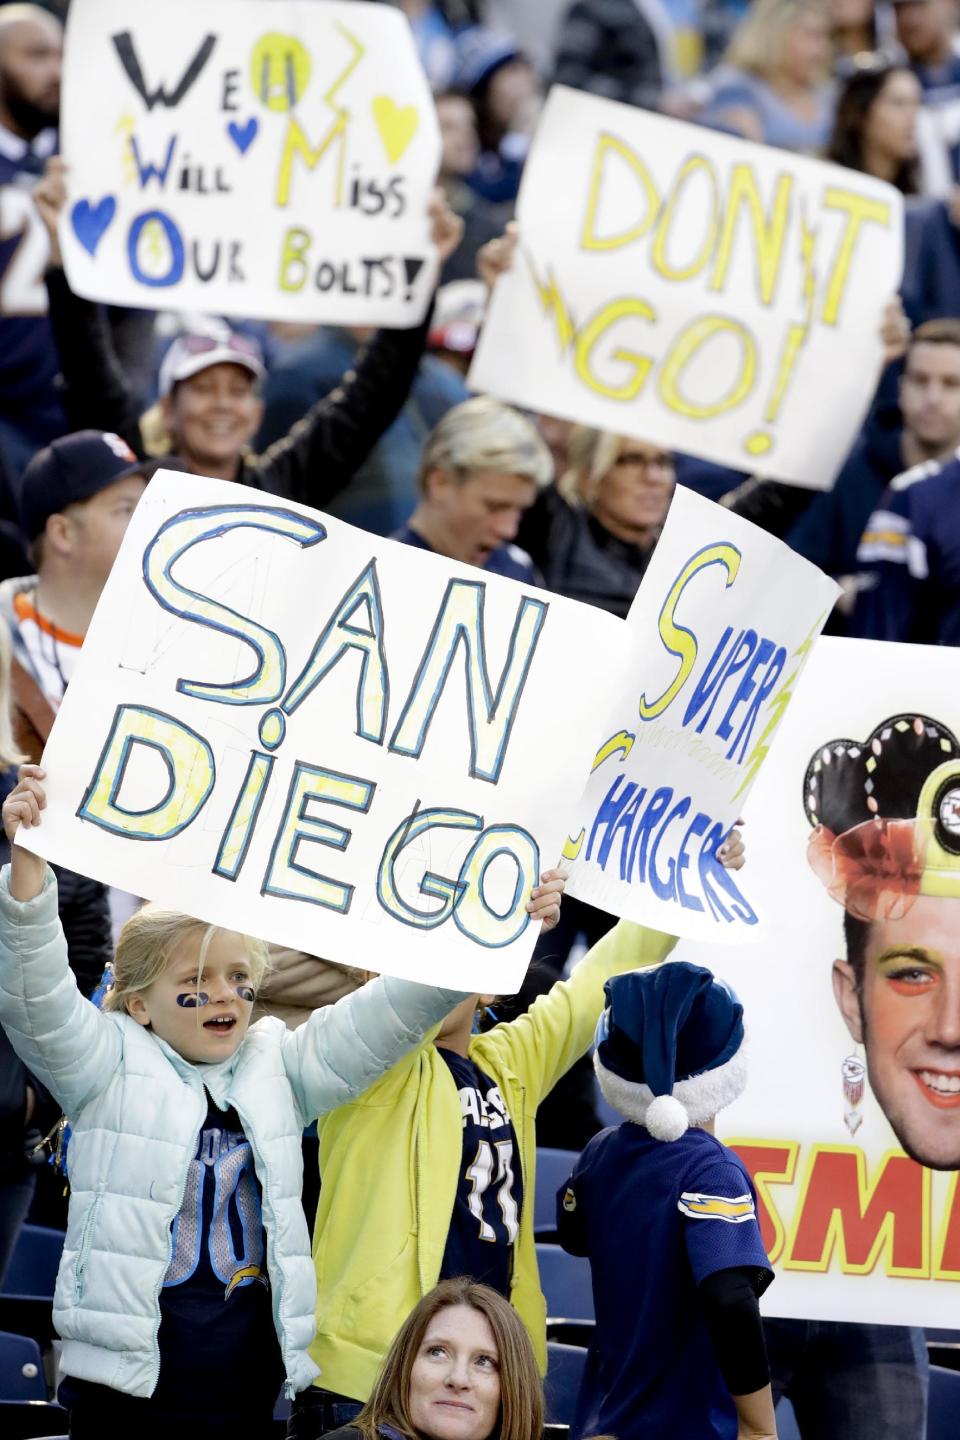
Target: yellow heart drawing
[(397, 125)]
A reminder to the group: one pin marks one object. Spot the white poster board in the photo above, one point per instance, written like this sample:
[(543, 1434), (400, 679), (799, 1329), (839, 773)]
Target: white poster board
[(694, 290), (855, 1229), (720, 631), (287, 726), (248, 158), (284, 725)]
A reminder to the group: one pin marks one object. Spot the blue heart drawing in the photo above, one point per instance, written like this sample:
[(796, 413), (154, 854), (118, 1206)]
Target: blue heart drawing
[(243, 136), (91, 221)]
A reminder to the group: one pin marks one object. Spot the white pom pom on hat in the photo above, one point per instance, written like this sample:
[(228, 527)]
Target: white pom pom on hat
[(666, 1119)]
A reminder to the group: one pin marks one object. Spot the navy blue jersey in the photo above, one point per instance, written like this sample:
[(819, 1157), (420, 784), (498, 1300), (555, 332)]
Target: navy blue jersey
[(219, 1353), (486, 1211), (910, 553), (655, 1220), (28, 358), (215, 1303), (509, 560)]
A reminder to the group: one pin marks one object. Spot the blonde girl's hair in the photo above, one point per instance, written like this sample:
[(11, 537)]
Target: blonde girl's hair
[(9, 754), (485, 434), (521, 1389), (760, 39), (590, 455), (148, 940)]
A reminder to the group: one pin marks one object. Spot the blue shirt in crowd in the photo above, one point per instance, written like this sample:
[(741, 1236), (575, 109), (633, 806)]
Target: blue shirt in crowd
[(509, 560), (655, 1220)]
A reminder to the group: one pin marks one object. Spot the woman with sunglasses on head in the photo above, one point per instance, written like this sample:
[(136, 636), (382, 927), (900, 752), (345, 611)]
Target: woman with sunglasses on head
[(210, 400)]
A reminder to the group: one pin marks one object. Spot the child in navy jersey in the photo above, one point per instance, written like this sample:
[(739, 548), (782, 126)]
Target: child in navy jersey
[(667, 1217)]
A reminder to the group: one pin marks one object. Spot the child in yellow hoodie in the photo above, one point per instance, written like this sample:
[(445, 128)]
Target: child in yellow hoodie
[(430, 1173)]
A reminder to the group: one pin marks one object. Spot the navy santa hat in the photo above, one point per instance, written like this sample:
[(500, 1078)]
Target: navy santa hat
[(670, 1047)]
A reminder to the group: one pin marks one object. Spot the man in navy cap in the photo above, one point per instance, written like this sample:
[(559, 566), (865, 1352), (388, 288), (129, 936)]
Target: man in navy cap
[(75, 500), (667, 1217)]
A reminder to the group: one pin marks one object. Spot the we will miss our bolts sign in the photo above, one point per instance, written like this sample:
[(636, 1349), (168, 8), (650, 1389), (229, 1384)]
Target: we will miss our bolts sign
[(397, 722), (745, 245)]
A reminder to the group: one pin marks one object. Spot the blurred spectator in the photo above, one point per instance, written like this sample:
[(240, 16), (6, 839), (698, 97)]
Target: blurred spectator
[(210, 401), (931, 269), (926, 29), (619, 49), (875, 129), (772, 86), (457, 317), (926, 427), (850, 1381), (910, 553), (556, 433), (858, 27), (30, 412), (504, 88), (434, 38), (719, 20), (532, 23), (481, 469), (383, 490), (458, 161), (31, 409)]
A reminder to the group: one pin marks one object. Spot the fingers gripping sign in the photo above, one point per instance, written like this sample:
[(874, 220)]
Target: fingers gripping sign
[(22, 812), (543, 906)]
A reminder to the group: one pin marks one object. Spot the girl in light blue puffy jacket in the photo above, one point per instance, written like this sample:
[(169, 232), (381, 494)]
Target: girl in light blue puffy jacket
[(186, 1293)]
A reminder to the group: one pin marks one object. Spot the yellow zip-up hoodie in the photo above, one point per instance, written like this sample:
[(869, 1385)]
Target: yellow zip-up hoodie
[(390, 1164)]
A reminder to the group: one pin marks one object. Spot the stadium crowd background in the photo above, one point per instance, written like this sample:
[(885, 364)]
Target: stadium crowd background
[(382, 431)]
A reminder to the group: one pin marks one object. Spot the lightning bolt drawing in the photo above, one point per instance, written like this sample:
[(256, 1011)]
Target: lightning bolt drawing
[(153, 235), (808, 242), (339, 127), (778, 706), (124, 127), (551, 298), (620, 744), (296, 142)]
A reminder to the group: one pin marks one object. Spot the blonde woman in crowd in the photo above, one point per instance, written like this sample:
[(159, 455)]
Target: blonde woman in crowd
[(773, 85)]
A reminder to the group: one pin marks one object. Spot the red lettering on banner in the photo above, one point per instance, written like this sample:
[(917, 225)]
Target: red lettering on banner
[(770, 1162), (947, 1263), (840, 1211)]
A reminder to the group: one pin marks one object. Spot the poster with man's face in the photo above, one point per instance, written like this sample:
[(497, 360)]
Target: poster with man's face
[(850, 1123)]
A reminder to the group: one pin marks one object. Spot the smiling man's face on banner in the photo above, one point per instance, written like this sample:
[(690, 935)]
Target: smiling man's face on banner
[(899, 992)]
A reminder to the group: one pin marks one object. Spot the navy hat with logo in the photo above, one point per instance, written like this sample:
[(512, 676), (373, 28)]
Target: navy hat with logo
[(73, 468), (669, 1047)]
